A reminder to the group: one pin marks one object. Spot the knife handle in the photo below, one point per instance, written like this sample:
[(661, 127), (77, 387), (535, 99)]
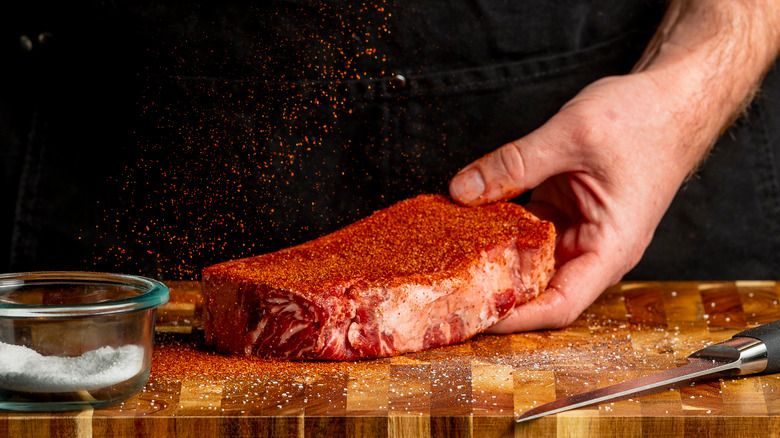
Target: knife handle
[(769, 334)]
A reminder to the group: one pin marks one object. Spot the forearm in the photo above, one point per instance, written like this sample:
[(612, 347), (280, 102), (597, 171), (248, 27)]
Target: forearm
[(711, 55)]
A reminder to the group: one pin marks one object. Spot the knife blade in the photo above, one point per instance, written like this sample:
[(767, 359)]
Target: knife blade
[(752, 351)]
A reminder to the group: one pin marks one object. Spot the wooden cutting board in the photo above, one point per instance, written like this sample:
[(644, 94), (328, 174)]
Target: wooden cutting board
[(472, 389)]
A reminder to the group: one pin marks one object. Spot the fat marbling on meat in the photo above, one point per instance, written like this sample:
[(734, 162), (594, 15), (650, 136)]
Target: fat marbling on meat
[(420, 274)]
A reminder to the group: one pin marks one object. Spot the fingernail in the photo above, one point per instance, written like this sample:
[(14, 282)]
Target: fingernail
[(467, 186)]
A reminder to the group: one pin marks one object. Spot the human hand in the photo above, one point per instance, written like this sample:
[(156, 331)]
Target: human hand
[(605, 168)]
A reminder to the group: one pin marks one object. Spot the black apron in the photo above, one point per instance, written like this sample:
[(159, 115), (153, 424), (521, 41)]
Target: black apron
[(159, 139)]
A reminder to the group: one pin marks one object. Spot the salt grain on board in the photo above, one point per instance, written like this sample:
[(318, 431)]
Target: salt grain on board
[(24, 369)]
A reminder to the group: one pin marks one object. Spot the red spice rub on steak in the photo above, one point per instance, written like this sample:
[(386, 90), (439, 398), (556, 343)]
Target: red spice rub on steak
[(422, 273)]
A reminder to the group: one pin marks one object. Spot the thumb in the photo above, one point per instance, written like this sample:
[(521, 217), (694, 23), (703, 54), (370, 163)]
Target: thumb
[(511, 169)]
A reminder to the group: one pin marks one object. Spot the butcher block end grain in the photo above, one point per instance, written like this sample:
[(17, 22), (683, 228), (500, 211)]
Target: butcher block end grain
[(420, 274)]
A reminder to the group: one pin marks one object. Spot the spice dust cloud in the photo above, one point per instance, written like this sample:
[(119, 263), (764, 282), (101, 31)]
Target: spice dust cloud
[(240, 135)]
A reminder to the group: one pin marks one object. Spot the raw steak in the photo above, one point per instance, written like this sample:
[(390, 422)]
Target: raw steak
[(422, 273)]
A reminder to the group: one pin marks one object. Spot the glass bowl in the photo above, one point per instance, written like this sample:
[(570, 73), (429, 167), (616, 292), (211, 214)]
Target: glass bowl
[(72, 340)]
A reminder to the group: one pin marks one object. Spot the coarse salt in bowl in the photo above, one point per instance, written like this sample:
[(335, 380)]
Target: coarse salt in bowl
[(73, 340)]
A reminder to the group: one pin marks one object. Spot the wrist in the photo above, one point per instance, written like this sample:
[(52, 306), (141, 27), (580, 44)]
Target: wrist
[(707, 58)]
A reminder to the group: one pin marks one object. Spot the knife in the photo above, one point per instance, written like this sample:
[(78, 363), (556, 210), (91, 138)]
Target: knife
[(755, 350)]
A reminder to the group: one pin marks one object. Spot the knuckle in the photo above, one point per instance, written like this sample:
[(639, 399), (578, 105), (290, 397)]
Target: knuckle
[(512, 161), (588, 131), (565, 319), (566, 311)]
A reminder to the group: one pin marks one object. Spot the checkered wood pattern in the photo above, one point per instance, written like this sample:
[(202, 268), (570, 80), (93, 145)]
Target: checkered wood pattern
[(472, 389)]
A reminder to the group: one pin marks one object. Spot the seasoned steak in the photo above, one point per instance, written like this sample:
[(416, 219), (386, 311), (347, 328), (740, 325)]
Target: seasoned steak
[(422, 273)]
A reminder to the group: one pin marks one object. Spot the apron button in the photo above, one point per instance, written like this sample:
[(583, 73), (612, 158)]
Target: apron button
[(25, 43), (397, 82), (45, 38)]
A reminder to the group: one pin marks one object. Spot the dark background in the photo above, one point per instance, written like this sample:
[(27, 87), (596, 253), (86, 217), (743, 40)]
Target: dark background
[(157, 139)]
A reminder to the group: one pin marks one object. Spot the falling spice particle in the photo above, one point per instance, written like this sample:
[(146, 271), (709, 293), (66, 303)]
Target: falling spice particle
[(219, 151)]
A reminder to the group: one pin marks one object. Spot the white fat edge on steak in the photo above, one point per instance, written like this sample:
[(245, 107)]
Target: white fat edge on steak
[(439, 301), (509, 277), (333, 333)]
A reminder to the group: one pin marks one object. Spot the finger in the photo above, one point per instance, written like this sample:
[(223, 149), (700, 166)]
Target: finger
[(572, 289), (545, 208), (513, 168)]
